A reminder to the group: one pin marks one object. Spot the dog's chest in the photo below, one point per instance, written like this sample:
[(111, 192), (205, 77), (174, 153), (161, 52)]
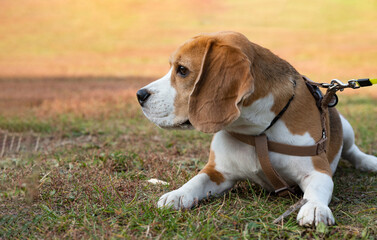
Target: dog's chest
[(239, 161)]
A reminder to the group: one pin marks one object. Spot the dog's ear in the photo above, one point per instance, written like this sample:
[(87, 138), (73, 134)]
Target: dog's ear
[(224, 81)]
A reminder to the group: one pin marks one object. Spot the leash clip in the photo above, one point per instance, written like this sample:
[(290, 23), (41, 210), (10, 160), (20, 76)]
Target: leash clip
[(337, 85)]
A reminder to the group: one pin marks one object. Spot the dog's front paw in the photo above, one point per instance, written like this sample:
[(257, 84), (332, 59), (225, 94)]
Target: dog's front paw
[(177, 199), (313, 213)]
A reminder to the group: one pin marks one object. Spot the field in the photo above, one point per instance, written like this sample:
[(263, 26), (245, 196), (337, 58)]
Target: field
[(68, 80)]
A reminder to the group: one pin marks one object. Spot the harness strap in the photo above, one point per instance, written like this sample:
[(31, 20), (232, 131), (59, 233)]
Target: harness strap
[(321, 101), (261, 148), (301, 151)]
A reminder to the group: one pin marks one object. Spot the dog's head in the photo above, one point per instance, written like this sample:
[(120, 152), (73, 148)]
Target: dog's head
[(207, 83)]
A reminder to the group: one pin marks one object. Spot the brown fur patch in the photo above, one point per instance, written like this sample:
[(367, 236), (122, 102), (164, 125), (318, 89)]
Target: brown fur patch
[(189, 55), (210, 170), (336, 134), (302, 115), (272, 75), (224, 81), (321, 164)]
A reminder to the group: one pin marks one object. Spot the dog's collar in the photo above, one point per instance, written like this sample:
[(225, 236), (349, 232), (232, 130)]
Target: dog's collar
[(280, 114)]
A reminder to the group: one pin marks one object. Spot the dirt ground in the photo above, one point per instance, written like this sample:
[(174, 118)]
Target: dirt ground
[(20, 94)]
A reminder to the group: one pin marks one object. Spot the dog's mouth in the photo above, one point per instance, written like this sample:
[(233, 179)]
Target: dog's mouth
[(171, 124), (186, 124), (182, 125)]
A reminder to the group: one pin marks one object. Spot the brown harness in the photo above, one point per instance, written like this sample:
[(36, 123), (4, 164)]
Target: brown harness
[(263, 145)]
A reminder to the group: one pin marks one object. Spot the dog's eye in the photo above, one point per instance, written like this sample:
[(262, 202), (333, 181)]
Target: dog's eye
[(183, 71)]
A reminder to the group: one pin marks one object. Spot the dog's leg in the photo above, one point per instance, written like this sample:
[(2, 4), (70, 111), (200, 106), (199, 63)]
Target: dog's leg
[(215, 178), (198, 188), (352, 153), (317, 189)]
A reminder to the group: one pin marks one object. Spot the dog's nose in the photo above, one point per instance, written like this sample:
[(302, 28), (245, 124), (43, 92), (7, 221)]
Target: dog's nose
[(142, 96)]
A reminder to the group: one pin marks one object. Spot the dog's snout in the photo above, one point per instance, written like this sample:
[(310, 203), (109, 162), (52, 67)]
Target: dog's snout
[(142, 96)]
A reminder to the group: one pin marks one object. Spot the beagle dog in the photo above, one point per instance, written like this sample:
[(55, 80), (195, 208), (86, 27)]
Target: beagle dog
[(222, 83)]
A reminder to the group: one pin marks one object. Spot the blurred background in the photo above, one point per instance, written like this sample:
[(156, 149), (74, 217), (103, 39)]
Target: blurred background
[(50, 50), (322, 39)]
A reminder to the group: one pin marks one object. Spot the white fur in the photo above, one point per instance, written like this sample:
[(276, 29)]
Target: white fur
[(189, 194), (353, 154), (160, 105), (335, 161), (317, 188), (254, 119), (238, 161)]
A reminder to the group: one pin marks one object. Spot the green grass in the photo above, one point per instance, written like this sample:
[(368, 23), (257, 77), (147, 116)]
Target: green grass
[(97, 188)]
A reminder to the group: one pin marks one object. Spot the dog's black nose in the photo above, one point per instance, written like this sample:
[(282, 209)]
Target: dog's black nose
[(142, 96)]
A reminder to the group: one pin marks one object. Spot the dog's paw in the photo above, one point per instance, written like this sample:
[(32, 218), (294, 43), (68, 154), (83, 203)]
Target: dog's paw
[(368, 164), (177, 199), (312, 213)]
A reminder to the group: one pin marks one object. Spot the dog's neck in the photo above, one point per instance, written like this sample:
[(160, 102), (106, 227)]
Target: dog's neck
[(261, 114), (256, 117), (274, 86)]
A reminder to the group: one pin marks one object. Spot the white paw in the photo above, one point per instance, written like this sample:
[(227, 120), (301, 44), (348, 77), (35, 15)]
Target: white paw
[(368, 164), (313, 213), (177, 199)]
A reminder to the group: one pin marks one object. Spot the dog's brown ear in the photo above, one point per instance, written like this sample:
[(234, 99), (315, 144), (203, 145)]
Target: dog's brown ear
[(222, 84)]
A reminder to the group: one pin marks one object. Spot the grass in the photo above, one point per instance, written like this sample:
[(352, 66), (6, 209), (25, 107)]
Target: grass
[(91, 181)]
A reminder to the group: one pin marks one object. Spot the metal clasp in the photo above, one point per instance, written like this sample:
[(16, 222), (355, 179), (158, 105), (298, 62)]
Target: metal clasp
[(353, 84), (336, 85)]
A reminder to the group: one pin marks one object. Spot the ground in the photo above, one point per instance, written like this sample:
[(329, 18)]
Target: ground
[(89, 174)]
